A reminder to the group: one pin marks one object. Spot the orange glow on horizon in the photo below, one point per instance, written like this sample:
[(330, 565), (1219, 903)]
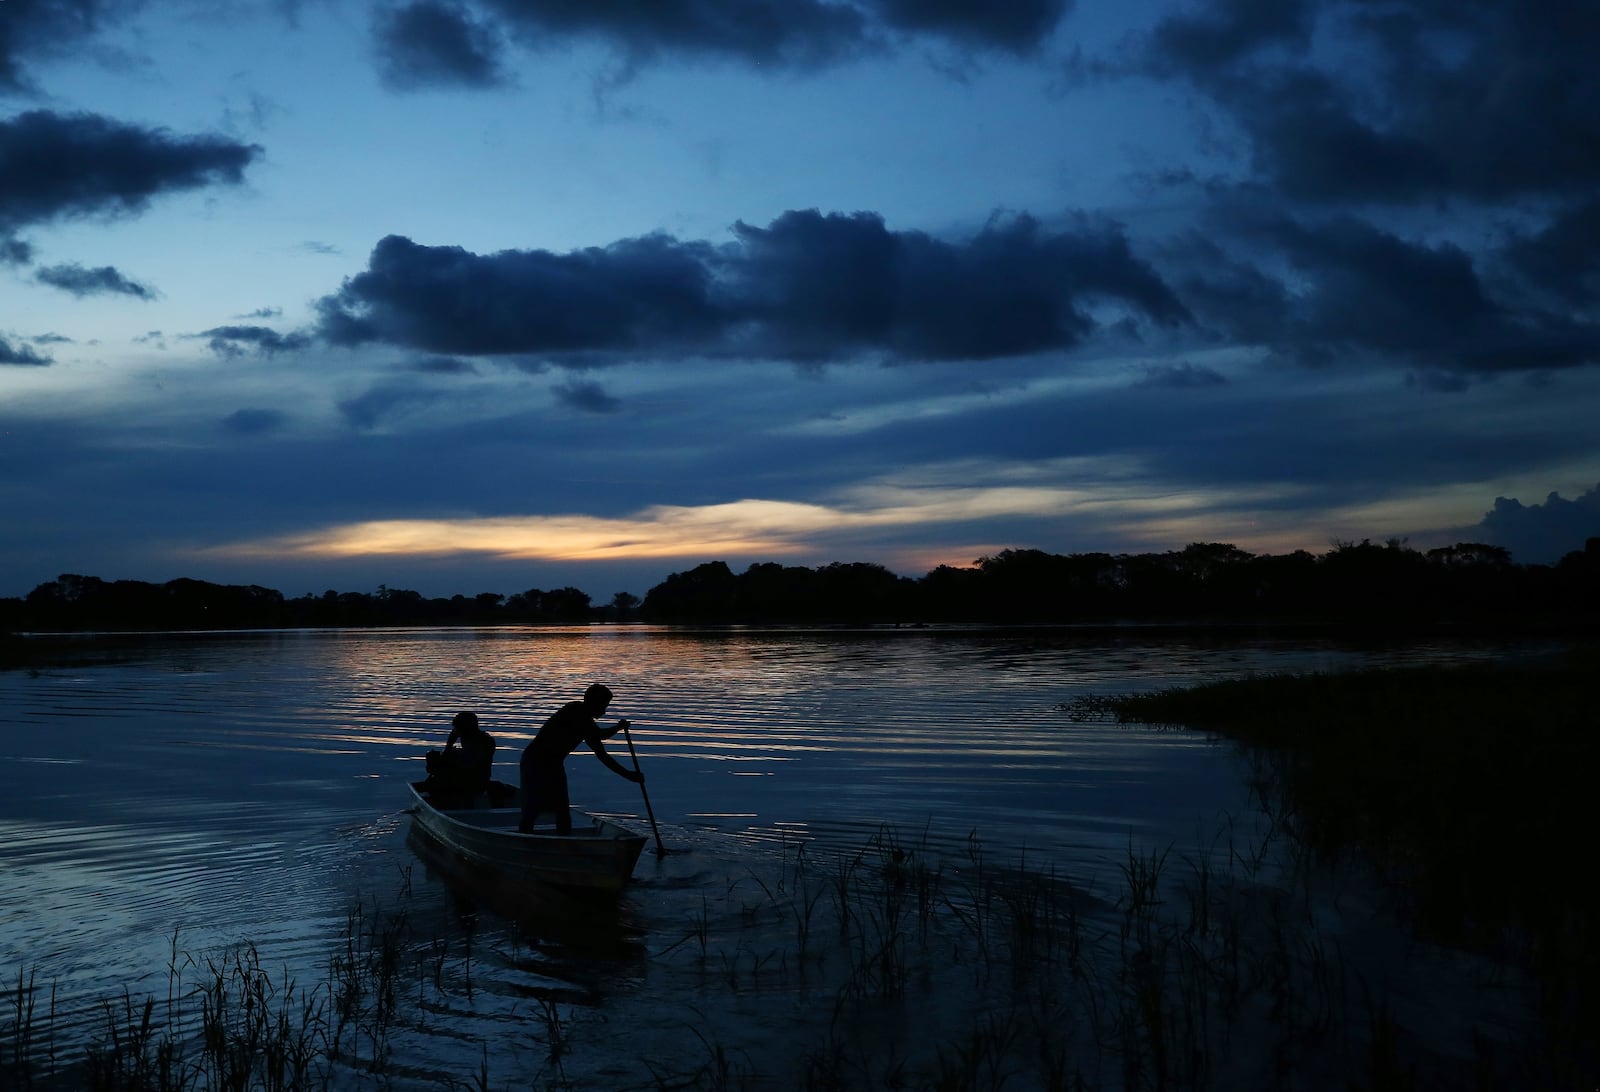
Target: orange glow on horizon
[(765, 528)]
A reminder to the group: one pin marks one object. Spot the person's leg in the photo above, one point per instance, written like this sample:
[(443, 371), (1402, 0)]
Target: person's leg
[(530, 793), (558, 799)]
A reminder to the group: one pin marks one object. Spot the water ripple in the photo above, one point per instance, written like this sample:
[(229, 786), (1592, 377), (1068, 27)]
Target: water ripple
[(251, 789)]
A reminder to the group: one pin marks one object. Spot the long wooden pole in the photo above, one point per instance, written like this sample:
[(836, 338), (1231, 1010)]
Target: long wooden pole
[(661, 850)]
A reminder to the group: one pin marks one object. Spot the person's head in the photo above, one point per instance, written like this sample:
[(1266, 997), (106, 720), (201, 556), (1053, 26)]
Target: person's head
[(596, 698), (465, 722)]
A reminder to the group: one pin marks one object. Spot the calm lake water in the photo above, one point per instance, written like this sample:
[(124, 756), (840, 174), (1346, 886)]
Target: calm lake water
[(198, 791)]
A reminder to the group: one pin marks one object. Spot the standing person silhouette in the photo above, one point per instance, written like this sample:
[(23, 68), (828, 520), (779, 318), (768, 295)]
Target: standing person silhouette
[(544, 769)]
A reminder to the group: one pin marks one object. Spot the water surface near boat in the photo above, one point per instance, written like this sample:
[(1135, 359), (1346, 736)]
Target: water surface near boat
[(199, 790)]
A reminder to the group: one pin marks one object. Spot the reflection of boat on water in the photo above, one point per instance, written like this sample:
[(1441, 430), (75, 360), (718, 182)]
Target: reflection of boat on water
[(596, 860), (581, 926)]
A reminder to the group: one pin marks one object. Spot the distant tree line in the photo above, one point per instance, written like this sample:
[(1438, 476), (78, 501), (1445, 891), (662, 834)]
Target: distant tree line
[(80, 603), (1205, 581)]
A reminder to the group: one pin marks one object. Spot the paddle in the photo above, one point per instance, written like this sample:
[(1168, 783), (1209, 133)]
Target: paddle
[(661, 850)]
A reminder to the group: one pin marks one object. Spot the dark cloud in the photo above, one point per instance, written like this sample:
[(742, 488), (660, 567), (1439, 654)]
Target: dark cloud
[(442, 365), (374, 406), (456, 43), (64, 165), (1564, 257), (1541, 533), (1325, 289), (638, 293), (1410, 102), (19, 354), (1182, 376), (1017, 25), (806, 288), (263, 313), (1311, 148), (1331, 445), (586, 396), (1243, 301), (822, 286), (14, 251), (237, 340), (826, 286), (36, 29), (100, 281), (430, 43), (254, 422), (798, 33), (1371, 288), (1444, 382), (1206, 42)]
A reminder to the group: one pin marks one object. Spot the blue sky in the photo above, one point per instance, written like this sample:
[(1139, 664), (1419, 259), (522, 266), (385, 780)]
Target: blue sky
[(485, 295)]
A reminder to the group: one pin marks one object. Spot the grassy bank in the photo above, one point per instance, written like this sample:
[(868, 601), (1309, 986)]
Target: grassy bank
[(1469, 789)]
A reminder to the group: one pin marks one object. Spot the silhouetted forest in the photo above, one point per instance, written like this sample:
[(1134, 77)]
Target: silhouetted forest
[(1204, 582)]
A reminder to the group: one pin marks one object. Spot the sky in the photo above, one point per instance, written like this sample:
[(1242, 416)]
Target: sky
[(488, 295)]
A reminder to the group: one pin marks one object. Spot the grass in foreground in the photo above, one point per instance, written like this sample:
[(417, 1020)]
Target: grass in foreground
[(226, 1022), (882, 967)]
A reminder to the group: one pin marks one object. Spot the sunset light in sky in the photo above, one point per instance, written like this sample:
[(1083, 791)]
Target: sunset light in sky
[(746, 528)]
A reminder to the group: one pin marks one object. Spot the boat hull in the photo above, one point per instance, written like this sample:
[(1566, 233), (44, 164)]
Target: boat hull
[(598, 859)]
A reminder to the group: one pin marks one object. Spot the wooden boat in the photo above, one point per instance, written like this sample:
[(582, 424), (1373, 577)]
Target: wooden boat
[(596, 859)]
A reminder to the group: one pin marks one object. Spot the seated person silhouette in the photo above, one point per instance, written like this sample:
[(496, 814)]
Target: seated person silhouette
[(462, 771)]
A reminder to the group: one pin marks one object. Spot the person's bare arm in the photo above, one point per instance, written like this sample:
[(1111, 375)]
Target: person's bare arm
[(616, 767)]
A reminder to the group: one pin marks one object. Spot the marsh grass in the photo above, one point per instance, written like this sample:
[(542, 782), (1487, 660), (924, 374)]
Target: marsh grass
[(1466, 789), (228, 1021), (1247, 961), (926, 974), (18, 1058), (972, 976)]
